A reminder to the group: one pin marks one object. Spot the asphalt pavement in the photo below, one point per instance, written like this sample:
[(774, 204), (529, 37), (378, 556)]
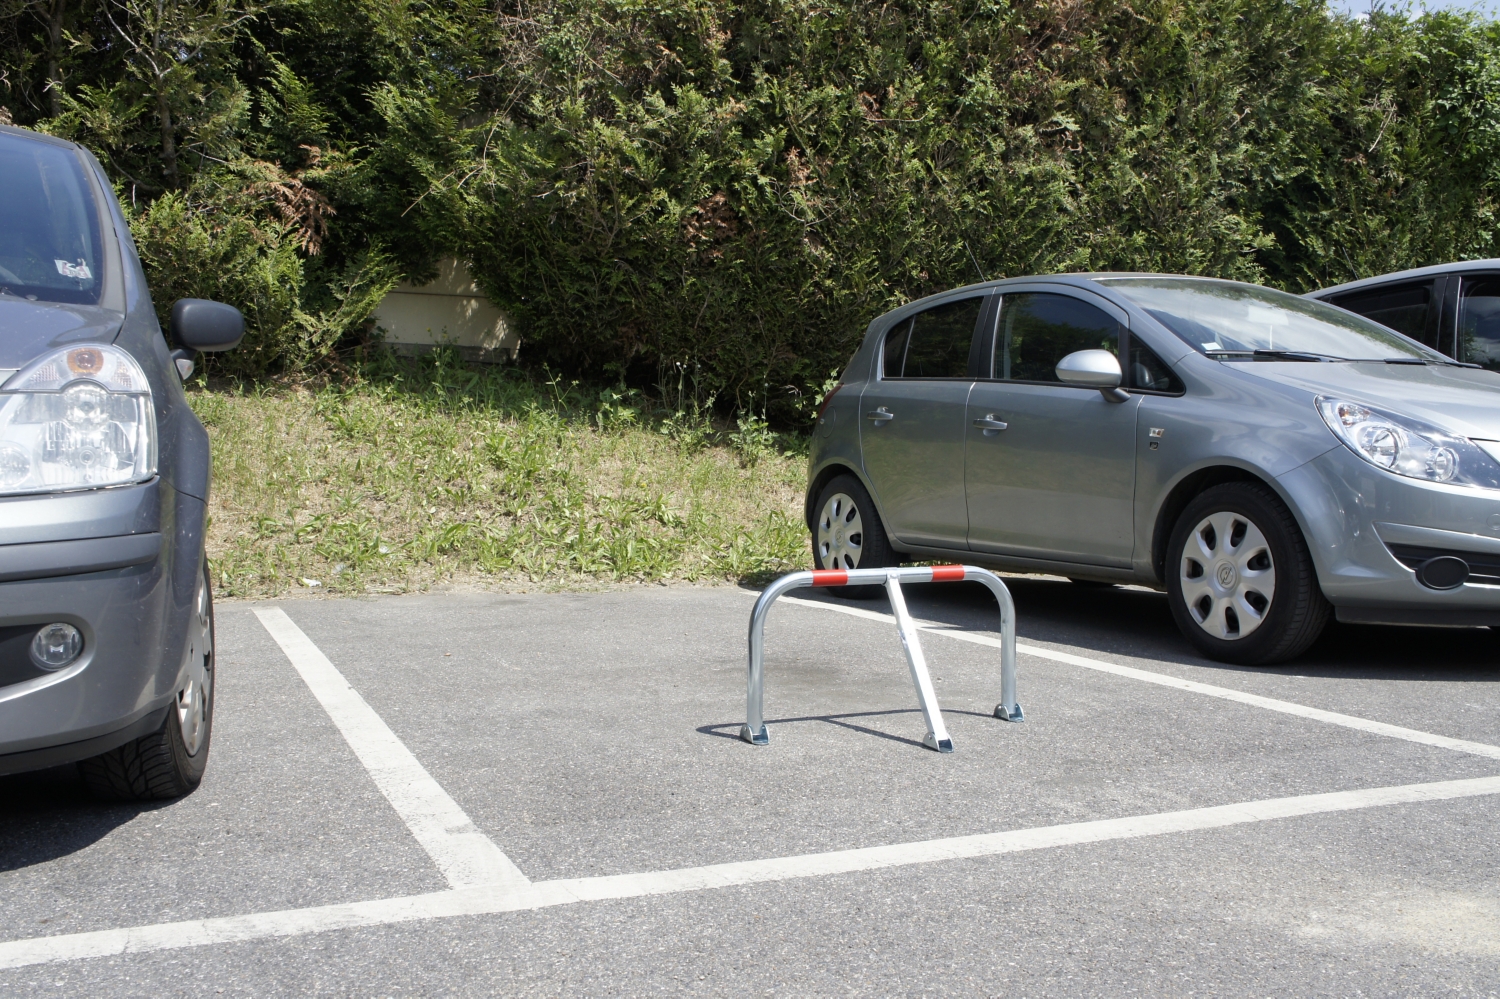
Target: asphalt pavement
[(1159, 824)]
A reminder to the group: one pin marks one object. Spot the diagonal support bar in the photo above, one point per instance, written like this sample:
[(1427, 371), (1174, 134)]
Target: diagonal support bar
[(754, 729), (937, 735)]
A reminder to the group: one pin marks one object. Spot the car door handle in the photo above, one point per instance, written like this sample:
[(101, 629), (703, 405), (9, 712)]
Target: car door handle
[(990, 425), (880, 415)]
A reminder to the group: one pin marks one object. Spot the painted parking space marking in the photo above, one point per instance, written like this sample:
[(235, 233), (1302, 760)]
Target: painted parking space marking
[(464, 854), (1193, 686), (517, 897)]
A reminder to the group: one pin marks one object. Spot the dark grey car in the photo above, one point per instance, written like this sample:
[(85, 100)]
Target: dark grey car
[(1267, 460), (106, 614)]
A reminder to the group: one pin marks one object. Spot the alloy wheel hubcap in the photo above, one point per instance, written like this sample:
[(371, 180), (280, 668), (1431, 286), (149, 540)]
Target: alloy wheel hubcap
[(840, 533), (194, 698), (1228, 578)]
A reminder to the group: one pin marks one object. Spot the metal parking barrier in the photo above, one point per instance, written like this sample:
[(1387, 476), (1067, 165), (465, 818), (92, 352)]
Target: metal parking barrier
[(754, 730)]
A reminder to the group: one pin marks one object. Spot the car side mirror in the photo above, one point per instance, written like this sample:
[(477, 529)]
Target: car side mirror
[(1095, 369), (200, 324)]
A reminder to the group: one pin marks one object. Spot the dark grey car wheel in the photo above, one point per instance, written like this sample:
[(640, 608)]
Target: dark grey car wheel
[(1240, 580), (169, 762), (848, 534)]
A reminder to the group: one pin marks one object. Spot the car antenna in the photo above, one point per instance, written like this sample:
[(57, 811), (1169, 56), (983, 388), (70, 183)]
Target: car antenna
[(979, 270)]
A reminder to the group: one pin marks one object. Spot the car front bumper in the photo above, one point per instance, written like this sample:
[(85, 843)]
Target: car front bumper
[(1361, 522), (118, 591)]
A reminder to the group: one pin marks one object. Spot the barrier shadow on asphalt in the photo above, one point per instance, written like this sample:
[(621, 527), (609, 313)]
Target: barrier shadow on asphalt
[(731, 730), (1133, 621), (50, 814)]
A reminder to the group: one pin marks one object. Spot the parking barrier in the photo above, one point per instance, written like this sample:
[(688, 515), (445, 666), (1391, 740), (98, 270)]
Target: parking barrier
[(754, 730)]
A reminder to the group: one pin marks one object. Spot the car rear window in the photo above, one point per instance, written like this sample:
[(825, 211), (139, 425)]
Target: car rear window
[(934, 343), (1404, 308), (49, 224)]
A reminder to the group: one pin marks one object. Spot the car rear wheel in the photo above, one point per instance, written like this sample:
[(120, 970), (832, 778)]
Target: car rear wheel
[(1240, 580), (169, 762), (848, 534)]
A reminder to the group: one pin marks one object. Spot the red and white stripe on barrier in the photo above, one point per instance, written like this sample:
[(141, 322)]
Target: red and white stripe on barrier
[(938, 574)]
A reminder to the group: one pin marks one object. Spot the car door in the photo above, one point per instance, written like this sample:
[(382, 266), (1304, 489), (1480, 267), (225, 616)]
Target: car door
[(1049, 467), (912, 423)]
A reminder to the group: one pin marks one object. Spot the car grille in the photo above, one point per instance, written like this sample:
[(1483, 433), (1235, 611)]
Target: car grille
[(1484, 567)]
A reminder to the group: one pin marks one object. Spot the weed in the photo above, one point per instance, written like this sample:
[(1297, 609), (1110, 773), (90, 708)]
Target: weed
[(753, 441)]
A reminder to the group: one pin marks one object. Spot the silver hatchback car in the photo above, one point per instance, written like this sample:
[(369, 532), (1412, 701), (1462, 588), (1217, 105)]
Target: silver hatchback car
[(1266, 459)]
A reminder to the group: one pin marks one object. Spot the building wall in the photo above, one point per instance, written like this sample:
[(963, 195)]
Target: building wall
[(450, 309)]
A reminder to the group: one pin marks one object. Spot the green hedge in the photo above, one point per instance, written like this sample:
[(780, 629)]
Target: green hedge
[(739, 187)]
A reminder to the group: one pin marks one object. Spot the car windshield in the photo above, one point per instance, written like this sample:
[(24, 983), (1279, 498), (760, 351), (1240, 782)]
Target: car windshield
[(49, 227), (1242, 321)]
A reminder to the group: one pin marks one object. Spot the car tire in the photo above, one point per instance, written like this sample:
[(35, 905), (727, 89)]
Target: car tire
[(848, 534), (1240, 580), (169, 762)]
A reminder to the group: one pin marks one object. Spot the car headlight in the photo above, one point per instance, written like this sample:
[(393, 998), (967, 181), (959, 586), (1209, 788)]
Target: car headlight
[(79, 418), (1409, 447)]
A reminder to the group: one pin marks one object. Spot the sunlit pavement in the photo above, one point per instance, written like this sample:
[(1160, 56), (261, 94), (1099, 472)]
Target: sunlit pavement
[(469, 794)]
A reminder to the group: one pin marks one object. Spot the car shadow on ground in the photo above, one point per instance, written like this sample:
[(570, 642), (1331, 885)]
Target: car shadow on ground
[(49, 814), (1133, 621)]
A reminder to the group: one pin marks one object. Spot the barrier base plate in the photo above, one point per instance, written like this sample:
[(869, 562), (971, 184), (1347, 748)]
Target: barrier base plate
[(761, 738), (941, 745), (1013, 713)]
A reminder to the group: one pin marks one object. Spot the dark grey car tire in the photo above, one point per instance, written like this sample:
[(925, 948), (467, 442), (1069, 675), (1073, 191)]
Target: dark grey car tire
[(159, 765), (1297, 612), (875, 551)]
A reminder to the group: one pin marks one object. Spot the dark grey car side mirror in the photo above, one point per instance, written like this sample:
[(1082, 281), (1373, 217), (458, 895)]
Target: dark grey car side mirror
[(200, 324), (1096, 369)]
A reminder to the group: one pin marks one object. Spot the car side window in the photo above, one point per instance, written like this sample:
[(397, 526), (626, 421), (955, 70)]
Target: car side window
[(1149, 372), (934, 343), (1038, 329), (1479, 322), (1405, 308)]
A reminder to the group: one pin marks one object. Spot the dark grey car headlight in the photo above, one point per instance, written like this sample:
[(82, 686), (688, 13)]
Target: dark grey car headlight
[(79, 418), (1409, 447)]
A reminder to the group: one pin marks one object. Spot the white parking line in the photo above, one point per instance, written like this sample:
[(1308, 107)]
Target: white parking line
[(1165, 680), (512, 898), (466, 856)]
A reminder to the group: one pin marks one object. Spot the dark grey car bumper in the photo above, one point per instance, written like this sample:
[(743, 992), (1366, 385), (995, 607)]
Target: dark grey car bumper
[(117, 589)]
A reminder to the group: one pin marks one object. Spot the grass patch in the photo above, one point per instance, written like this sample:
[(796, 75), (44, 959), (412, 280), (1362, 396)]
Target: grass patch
[(411, 473)]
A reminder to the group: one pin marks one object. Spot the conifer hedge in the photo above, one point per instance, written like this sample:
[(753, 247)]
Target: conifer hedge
[(738, 186)]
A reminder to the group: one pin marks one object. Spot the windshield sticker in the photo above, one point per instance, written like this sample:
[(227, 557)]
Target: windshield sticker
[(1212, 345), (79, 270)]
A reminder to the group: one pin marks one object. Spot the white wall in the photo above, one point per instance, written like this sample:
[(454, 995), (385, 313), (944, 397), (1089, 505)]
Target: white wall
[(450, 309)]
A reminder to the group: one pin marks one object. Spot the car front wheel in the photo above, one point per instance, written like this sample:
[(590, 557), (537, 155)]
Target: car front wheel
[(169, 762), (848, 534), (1240, 580)]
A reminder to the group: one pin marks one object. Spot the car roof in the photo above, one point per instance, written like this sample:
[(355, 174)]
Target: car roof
[(1433, 270), (1075, 279), (17, 132)]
